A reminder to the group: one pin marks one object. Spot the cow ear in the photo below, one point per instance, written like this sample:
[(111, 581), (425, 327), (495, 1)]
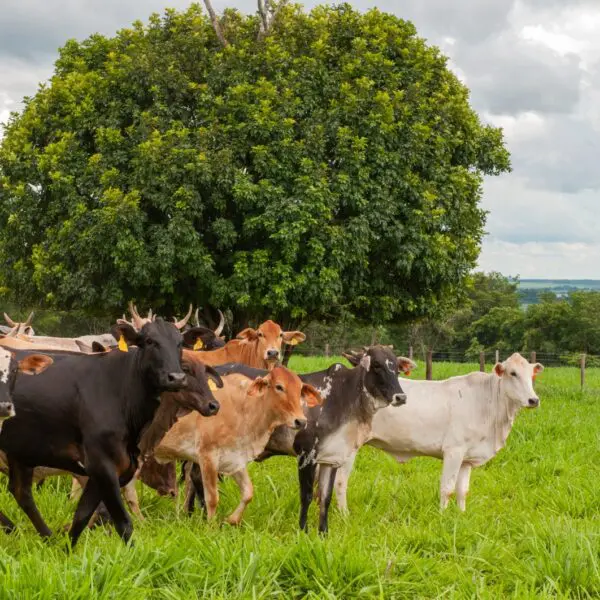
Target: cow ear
[(311, 396), (83, 347), (213, 376), (34, 364), (353, 359), (198, 337), (293, 337), (98, 347), (537, 368), (258, 386), (499, 369), (248, 334), (406, 365), (124, 333)]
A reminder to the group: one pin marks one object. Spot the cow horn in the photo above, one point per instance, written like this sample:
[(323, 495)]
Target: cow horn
[(10, 322), (29, 318), (196, 317), (221, 324), (181, 324), (137, 322), (149, 317)]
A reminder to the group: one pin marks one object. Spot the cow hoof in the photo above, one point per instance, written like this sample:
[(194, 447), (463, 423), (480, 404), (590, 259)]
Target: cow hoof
[(233, 521)]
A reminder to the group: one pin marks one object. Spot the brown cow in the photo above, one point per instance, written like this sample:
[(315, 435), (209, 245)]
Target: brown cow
[(226, 443), (259, 348)]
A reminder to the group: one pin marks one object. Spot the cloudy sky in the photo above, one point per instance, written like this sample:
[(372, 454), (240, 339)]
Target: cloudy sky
[(533, 67)]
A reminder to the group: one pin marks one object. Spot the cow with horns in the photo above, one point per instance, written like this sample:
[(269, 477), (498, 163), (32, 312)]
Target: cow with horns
[(15, 328)]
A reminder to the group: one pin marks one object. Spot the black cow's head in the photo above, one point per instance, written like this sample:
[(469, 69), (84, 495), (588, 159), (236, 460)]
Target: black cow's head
[(202, 338), (160, 345), (381, 367), (9, 367)]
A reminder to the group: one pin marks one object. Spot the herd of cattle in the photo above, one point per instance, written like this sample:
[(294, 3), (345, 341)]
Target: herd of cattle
[(111, 409)]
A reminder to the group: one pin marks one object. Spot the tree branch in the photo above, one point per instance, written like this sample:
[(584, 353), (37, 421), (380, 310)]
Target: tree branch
[(268, 14), (262, 12), (215, 23)]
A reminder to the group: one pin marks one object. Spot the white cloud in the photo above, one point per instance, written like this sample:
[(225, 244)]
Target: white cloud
[(534, 260)]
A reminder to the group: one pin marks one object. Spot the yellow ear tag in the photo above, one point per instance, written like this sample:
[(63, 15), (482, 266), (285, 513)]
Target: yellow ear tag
[(198, 345), (293, 342), (123, 344), (212, 386)]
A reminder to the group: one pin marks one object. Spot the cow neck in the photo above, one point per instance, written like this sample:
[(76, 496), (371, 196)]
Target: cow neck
[(261, 417), (502, 412), (347, 401), (141, 398)]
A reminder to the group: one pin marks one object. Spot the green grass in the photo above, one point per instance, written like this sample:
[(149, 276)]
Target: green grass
[(532, 526)]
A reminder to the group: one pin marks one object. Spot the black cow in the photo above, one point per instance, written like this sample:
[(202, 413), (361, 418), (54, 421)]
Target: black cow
[(86, 414), (9, 368), (338, 427)]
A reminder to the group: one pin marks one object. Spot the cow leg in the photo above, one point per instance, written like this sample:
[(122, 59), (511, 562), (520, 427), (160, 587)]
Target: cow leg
[(77, 486), (326, 480), (317, 488), (196, 488), (130, 494), (6, 523), (341, 483), (210, 480), (86, 508), (20, 484), (242, 478), (306, 476), (102, 471), (462, 485), (451, 466)]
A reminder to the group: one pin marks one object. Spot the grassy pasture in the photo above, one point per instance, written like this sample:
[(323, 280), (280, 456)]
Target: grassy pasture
[(532, 526)]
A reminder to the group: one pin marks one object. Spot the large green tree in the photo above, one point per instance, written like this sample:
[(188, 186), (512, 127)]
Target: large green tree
[(285, 164)]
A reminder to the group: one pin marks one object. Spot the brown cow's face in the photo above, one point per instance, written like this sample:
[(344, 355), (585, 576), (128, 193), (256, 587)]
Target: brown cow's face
[(287, 393), (269, 338)]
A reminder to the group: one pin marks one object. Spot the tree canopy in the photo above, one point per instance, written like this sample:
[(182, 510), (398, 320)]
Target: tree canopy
[(332, 164)]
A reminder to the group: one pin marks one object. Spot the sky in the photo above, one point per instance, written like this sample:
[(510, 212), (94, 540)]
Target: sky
[(533, 68)]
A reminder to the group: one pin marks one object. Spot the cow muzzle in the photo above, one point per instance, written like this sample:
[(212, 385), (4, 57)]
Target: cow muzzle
[(210, 409), (533, 402), (299, 424), (7, 410), (272, 355), (174, 381), (398, 399)]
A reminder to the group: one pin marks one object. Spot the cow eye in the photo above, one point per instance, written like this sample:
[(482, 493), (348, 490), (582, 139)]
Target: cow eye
[(279, 388), (513, 373), (260, 334)]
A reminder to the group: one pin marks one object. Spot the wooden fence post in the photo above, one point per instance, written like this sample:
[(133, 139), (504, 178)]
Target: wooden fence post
[(497, 356), (429, 366), (410, 352), (482, 362), (374, 337), (327, 351), (582, 371), (533, 357)]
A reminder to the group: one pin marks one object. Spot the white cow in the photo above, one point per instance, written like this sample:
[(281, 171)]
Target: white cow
[(463, 420)]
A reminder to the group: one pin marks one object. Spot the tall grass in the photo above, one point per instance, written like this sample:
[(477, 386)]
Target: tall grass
[(532, 526)]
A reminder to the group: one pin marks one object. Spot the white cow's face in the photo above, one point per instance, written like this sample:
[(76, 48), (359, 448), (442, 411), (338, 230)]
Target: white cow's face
[(517, 377)]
